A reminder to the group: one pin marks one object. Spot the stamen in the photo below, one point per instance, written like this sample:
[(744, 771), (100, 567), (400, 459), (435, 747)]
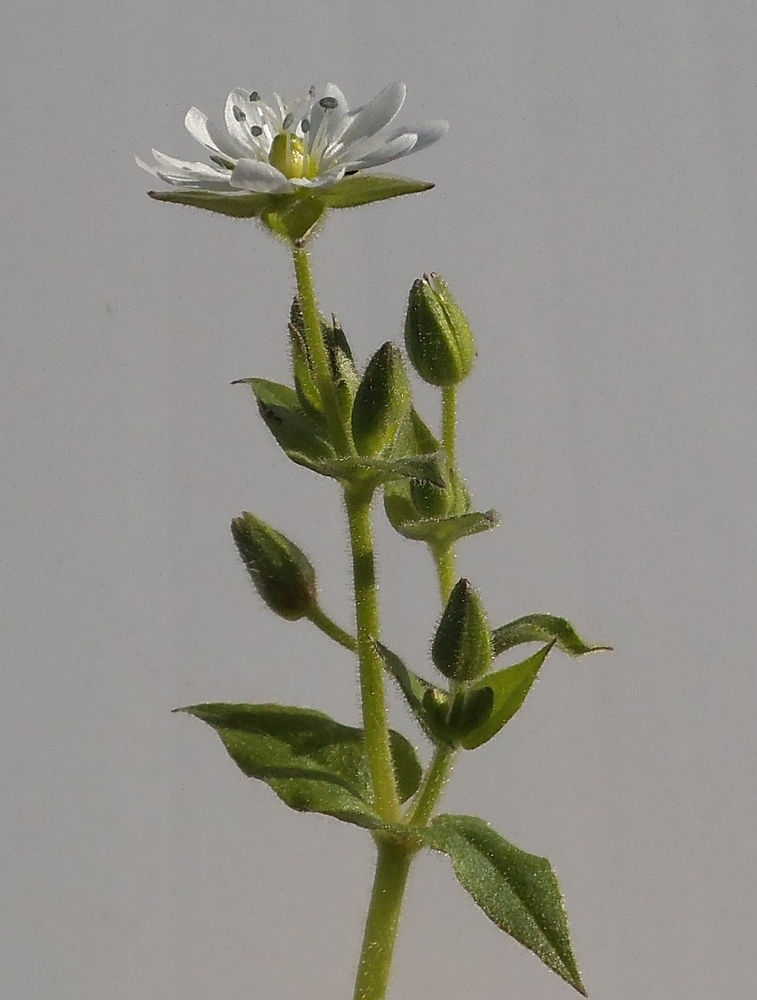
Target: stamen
[(256, 130), (239, 114), (305, 125), (254, 96), (221, 162), (287, 121), (329, 103), (311, 92)]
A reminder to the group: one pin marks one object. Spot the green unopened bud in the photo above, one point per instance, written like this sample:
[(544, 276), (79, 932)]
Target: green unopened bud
[(281, 572), (381, 402), (438, 338), (462, 648)]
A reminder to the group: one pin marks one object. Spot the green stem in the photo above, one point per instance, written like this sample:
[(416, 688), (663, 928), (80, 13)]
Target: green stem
[(358, 503), (392, 867), (449, 420), (319, 357), (327, 625), (444, 560), (433, 785)]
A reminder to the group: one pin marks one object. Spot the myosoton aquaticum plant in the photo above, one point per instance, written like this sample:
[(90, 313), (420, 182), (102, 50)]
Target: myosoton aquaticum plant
[(288, 165)]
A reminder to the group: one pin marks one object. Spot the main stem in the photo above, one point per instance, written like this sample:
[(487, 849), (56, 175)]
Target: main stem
[(378, 749), (319, 357), (392, 867)]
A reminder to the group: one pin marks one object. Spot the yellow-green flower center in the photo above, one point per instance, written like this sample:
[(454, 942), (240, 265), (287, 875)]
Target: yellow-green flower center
[(289, 155)]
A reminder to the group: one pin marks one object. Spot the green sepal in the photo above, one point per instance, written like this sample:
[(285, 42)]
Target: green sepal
[(293, 217), (365, 188), (312, 762), (384, 470), (428, 703), (462, 645), (301, 436), (470, 708), (438, 339), (542, 628), (382, 401), (519, 892), (344, 374), (249, 205), (281, 572), (509, 688)]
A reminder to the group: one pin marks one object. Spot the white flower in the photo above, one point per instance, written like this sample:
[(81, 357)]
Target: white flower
[(277, 148)]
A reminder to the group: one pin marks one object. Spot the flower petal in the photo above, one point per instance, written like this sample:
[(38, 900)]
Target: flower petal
[(391, 149), (237, 103), (427, 134), (252, 175), (375, 115), (327, 124), (321, 180), (196, 169)]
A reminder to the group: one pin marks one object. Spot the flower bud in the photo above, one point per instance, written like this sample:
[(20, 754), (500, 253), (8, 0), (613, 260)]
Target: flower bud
[(381, 402), (438, 338), (462, 648), (281, 572)]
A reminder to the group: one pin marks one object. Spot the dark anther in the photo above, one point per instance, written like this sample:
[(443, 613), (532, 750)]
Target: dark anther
[(254, 96), (288, 119), (329, 103), (305, 125), (256, 130), (239, 114)]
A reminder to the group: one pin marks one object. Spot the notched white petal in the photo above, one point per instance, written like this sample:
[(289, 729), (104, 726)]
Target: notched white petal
[(375, 115), (390, 150), (252, 175), (428, 134)]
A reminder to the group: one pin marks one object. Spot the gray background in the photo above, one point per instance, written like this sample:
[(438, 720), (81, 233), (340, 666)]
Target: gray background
[(595, 215)]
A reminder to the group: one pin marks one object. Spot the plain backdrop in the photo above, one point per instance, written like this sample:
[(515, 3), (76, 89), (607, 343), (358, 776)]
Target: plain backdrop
[(595, 215)]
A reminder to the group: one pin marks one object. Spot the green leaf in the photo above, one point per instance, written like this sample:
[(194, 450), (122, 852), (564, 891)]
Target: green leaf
[(382, 470), (238, 206), (542, 628), (365, 188), (426, 701), (516, 890), (302, 436), (441, 531), (509, 688), (311, 762)]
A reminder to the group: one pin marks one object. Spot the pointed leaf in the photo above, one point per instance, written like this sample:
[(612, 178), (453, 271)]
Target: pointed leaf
[(382, 470), (542, 628), (239, 206), (441, 531), (517, 891), (311, 762), (365, 188), (509, 688), (302, 436)]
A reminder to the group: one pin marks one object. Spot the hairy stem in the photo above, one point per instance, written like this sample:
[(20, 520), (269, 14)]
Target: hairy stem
[(328, 626), (358, 503), (432, 787), (319, 357), (449, 420), (392, 867)]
